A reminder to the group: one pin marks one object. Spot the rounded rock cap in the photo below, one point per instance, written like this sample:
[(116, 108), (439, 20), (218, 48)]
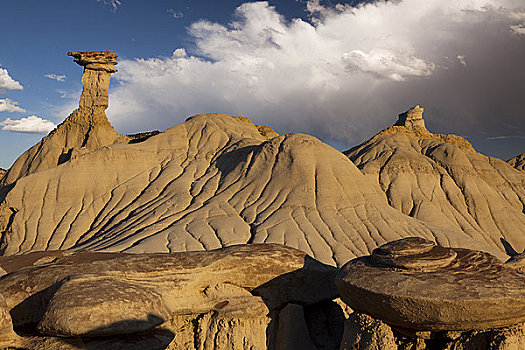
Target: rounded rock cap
[(414, 283)]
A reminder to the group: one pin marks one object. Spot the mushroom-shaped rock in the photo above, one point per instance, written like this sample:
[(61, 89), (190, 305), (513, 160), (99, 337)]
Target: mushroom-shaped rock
[(416, 284)]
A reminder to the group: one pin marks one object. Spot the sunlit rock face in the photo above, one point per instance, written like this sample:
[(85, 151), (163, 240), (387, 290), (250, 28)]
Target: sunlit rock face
[(223, 299), (443, 181), (412, 119), (211, 182), (518, 162), (412, 293)]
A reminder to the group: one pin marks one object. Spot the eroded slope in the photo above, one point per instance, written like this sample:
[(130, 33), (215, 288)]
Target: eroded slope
[(442, 180), (210, 182), (518, 162)]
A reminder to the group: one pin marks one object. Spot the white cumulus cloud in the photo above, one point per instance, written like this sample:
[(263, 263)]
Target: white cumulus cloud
[(518, 29), (31, 125), (342, 76), (57, 77), (387, 64), (8, 83), (7, 105)]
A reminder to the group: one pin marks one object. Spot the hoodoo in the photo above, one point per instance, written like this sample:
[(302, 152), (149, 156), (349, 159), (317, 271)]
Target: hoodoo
[(85, 130)]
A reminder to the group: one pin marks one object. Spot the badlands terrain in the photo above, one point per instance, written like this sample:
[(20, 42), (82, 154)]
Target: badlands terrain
[(88, 210)]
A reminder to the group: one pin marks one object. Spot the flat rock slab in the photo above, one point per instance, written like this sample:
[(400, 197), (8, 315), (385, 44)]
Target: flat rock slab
[(91, 294), (414, 284)]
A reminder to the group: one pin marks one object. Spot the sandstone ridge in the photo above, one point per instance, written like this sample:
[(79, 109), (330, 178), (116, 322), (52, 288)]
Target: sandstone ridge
[(210, 182)]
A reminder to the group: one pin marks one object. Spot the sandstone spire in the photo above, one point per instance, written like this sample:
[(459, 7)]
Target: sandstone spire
[(413, 118), (85, 130)]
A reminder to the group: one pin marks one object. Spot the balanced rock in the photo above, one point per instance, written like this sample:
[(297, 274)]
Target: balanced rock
[(415, 284), (86, 129), (518, 162)]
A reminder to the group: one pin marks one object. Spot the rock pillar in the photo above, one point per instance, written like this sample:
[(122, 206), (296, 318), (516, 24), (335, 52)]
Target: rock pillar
[(98, 67), (85, 130)]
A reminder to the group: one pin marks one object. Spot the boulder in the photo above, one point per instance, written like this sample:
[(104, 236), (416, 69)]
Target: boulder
[(102, 306), (415, 284)]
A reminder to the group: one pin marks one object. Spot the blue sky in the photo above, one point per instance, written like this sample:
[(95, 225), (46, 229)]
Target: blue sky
[(326, 68)]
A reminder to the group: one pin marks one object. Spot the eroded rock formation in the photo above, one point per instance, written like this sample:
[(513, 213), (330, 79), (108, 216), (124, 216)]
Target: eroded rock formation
[(415, 284), (518, 162), (85, 130), (416, 293), (210, 182), (225, 299), (412, 119), (443, 181)]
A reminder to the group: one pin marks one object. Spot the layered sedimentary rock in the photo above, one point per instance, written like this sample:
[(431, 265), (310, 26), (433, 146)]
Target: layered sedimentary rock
[(363, 332), (224, 299), (518, 162), (443, 181), (2, 173), (86, 129), (415, 284), (412, 119), (211, 182)]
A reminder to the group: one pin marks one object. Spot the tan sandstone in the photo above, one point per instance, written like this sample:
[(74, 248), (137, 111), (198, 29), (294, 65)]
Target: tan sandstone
[(231, 292), (518, 162), (412, 119), (415, 284), (86, 129), (443, 181)]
